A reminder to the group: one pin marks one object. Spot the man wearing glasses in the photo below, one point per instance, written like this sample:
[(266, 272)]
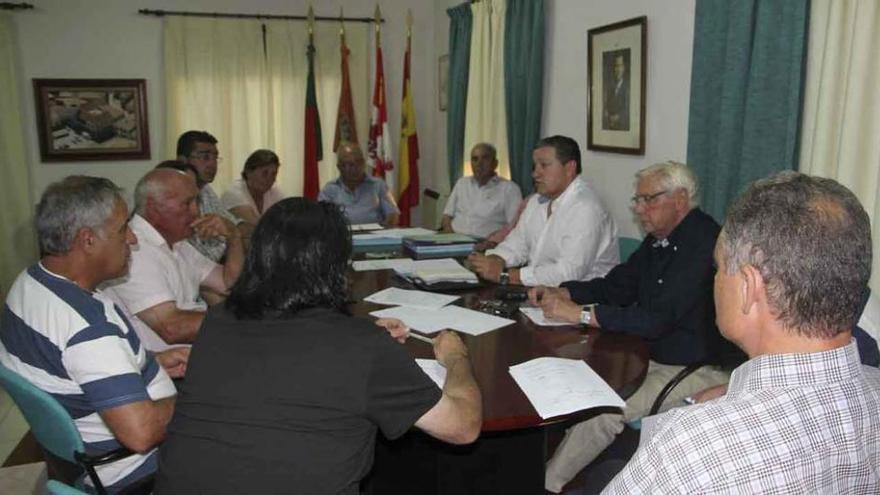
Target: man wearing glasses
[(662, 293), (199, 149)]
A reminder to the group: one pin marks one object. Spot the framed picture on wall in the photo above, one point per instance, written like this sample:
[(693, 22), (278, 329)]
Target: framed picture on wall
[(92, 119), (616, 67)]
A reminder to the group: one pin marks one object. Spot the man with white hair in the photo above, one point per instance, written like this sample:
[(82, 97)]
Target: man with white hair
[(61, 333), (171, 283), (662, 293), (802, 415)]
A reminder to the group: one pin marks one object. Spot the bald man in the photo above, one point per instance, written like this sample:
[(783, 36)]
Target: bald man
[(363, 199), (171, 283)]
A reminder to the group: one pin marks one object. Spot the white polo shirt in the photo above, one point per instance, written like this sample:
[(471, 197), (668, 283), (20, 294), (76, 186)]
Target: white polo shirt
[(158, 274), (479, 211)]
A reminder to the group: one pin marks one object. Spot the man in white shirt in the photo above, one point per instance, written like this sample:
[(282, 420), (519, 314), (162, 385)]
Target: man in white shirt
[(565, 232), (482, 203), (170, 284)]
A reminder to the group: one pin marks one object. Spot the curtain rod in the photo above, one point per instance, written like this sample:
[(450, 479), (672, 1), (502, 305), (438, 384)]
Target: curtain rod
[(15, 6), (162, 13)]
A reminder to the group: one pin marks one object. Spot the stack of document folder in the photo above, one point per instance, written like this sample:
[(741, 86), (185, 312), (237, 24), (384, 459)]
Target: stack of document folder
[(438, 245), (442, 274)]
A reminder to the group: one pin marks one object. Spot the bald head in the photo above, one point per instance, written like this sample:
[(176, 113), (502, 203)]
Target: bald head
[(351, 164), (167, 199)]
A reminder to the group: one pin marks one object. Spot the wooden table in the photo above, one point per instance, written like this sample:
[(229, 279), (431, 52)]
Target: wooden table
[(510, 454)]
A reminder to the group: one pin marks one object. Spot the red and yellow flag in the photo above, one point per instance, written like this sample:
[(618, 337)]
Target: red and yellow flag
[(408, 171)]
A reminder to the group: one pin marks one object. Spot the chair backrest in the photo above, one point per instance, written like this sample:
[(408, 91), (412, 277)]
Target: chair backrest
[(50, 423), (57, 488), (627, 246)]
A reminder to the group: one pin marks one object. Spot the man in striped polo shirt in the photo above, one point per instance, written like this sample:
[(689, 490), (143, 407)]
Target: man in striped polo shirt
[(63, 335)]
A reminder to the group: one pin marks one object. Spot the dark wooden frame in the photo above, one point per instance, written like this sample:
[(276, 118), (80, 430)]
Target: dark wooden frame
[(595, 101), (140, 134)]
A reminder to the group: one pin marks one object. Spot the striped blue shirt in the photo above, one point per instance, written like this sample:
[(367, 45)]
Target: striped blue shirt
[(78, 347)]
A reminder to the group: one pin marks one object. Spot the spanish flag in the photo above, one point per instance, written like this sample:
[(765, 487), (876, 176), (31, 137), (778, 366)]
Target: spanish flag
[(408, 170)]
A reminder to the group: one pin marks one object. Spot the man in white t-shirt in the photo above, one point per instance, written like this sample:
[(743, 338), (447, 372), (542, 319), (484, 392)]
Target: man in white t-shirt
[(482, 203), (170, 283)]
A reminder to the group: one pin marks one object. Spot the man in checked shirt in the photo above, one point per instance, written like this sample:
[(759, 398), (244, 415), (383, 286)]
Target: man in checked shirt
[(803, 414)]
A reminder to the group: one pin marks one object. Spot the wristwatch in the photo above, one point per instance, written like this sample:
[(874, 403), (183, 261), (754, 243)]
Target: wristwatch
[(504, 277), (586, 315)]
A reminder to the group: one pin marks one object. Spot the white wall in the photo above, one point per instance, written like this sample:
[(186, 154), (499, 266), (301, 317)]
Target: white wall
[(670, 45), (109, 39)]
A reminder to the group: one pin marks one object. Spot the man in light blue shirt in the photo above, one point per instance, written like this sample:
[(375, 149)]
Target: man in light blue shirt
[(363, 199)]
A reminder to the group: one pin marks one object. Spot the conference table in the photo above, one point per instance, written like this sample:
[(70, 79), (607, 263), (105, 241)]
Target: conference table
[(510, 454)]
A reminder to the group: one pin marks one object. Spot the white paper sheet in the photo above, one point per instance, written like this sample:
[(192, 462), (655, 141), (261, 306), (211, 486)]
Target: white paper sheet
[(557, 386), (412, 298), (365, 226), (434, 370), (386, 264), (455, 317), (537, 316)]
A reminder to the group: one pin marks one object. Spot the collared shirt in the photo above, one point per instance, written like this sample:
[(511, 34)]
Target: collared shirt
[(664, 294), (790, 423), (577, 242), (159, 273), (238, 195), (480, 210), (370, 202), (75, 345), (214, 247)]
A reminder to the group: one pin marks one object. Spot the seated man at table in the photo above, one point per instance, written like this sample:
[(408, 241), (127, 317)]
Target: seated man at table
[(62, 334), (170, 283), (565, 232), (662, 293), (803, 414), (482, 203), (363, 199), (199, 149)]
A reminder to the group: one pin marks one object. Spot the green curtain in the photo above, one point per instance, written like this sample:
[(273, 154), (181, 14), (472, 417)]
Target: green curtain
[(460, 25), (746, 92), (523, 69), (16, 205)]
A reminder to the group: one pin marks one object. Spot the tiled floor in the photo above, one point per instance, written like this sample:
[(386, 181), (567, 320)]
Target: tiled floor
[(12, 426)]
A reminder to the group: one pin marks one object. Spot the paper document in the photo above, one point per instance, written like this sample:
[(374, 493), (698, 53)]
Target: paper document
[(558, 386), (454, 317), (410, 298), (365, 226), (406, 232), (537, 316), (439, 270), (389, 264), (434, 370)]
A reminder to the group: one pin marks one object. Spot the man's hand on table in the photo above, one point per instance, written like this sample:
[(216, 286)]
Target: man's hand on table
[(448, 348), (559, 307), (174, 361), (536, 294), (487, 267)]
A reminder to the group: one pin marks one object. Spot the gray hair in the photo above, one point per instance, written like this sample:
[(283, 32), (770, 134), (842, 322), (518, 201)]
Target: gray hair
[(153, 185), (673, 175), (810, 239), (488, 147), (74, 203)]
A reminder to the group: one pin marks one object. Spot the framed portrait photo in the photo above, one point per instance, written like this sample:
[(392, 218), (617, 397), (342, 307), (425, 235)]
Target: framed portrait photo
[(92, 119), (616, 67)]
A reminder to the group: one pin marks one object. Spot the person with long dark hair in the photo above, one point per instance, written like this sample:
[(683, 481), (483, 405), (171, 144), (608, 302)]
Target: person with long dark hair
[(285, 389)]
